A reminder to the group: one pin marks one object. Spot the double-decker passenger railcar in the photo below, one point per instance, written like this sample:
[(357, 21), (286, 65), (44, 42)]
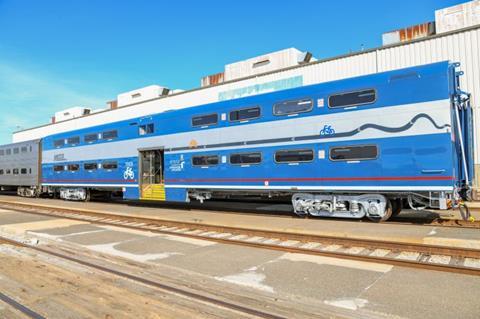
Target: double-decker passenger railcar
[(20, 168), (349, 148)]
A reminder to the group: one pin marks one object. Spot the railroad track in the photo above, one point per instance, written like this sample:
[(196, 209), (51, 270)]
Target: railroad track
[(433, 257), (200, 297)]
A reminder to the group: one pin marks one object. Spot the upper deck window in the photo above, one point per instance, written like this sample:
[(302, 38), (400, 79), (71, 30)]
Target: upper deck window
[(205, 160), (294, 156), (15, 171), (90, 138), (109, 135), (146, 129), (8, 151), (16, 150), (205, 120), (354, 98), (245, 158), (293, 107), (73, 140), (24, 149), (354, 153), (23, 171), (245, 114), (59, 143)]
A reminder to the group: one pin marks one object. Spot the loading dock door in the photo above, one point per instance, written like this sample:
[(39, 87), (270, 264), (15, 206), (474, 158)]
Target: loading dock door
[(152, 185)]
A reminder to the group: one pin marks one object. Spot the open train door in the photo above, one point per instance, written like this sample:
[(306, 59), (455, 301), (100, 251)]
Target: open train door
[(152, 186)]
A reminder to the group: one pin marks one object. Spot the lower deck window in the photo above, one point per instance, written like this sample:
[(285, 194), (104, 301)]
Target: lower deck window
[(354, 153), (23, 171), (110, 165), (205, 160), (90, 166), (58, 168), (245, 158), (2, 172), (73, 167), (15, 171), (294, 156)]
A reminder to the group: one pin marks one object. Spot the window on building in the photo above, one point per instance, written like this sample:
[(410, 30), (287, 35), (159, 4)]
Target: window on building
[(90, 166), (15, 171), (16, 150), (109, 135), (24, 149), (245, 114), (245, 158), (73, 140), (352, 98), (205, 160), (146, 129), (73, 167), (58, 143), (23, 171), (354, 153), (110, 165), (90, 138), (205, 120), (8, 151), (294, 156), (293, 106), (58, 168)]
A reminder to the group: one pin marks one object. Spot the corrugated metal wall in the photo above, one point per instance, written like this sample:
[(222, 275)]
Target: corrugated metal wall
[(462, 46)]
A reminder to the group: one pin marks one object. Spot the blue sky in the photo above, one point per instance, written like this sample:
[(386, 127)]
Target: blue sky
[(58, 54)]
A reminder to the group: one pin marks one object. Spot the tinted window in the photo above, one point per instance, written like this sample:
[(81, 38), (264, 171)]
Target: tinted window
[(294, 156), (245, 114), (73, 167), (109, 135), (24, 149), (15, 171), (7, 171), (146, 129), (9, 151), (351, 153), (2, 152), (58, 143), (89, 138), (16, 150), (352, 98), (23, 171), (293, 107), (90, 166), (73, 140), (246, 158), (205, 120), (205, 160), (59, 168), (1, 172), (110, 165)]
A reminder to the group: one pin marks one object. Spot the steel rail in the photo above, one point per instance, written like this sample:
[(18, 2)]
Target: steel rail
[(159, 226), (18, 306)]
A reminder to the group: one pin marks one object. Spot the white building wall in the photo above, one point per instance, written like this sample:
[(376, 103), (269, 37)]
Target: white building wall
[(462, 46)]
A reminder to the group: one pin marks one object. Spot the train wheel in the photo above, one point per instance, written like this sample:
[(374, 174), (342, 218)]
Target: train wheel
[(386, 215)]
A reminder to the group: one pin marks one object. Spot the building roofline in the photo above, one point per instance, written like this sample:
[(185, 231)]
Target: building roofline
[(342, 56)]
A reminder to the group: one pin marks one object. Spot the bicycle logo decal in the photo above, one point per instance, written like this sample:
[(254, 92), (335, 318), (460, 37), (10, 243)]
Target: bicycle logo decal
[(327, 130)]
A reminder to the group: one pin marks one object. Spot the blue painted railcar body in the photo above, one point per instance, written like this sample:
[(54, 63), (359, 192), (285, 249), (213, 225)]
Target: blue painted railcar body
[(389, 133)]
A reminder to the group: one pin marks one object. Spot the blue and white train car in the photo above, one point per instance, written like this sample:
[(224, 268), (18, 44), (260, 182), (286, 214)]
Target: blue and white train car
[(349, 148)]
